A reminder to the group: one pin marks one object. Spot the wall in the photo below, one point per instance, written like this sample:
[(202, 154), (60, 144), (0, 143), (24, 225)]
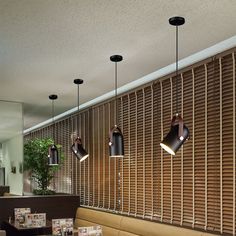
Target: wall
[(196, 188), (11, 139), (13, 156)]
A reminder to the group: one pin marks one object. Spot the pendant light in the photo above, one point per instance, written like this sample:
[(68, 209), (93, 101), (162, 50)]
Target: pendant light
[(116, 140), (77, 147), (53, 155), (178, 131)]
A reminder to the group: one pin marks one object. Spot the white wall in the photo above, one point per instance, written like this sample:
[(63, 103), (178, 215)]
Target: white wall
[(11, 137), (12, 151)]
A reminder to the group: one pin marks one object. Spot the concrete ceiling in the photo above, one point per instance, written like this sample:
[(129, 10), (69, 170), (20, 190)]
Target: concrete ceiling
[(46, 44)]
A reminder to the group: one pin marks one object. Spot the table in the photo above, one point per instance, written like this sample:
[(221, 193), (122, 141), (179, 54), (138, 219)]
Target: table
[(13, 229)]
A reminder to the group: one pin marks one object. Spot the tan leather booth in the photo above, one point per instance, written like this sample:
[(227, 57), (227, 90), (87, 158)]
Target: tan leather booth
[(2, 233), (118, 225)]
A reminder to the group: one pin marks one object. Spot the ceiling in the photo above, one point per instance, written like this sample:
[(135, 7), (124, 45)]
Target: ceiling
[(46, 44)]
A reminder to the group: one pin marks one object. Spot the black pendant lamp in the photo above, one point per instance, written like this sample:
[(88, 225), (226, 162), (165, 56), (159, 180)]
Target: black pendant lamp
[(53, 155), (116, 140), (77, 147), (178, 131)]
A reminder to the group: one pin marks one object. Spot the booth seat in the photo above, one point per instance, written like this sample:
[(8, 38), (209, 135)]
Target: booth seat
[(118, 225), (2, 233)]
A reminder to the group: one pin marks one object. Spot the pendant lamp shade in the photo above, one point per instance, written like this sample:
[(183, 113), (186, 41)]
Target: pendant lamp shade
[(116, 144), (116, 139), (176, 137), (77, 147), (178, 133), (53, 155), (78, 150)]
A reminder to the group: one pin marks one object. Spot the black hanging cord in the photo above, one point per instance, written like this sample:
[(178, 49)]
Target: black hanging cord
[(116, 106), (78, 82), (53, 97), (78, 98), (116, 58), (176, 70), (53, 121), (177, 21), (77, 122)]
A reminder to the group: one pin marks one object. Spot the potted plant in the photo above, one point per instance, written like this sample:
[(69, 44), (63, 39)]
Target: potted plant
[(36, 162)]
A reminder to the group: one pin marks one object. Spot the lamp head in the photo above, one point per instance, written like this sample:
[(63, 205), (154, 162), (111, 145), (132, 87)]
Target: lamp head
[(53, 155), (176, 137), (172, 142), (78, 150), (116, 142)]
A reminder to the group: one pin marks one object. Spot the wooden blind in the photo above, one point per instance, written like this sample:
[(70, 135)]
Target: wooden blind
[(212, 147), (195, 188), (227, 162)]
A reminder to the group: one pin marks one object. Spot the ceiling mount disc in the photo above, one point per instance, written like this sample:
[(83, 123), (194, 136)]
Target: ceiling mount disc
[(53, 97), (177, 20), (116, 58), (78, 81)]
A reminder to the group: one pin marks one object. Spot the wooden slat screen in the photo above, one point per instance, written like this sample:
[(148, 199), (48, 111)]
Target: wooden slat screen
[(195, 188), (227, 138)]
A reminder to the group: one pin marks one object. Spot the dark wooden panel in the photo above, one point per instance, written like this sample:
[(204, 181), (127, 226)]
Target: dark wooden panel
[(4, 189), (13, 230), (59, 206)]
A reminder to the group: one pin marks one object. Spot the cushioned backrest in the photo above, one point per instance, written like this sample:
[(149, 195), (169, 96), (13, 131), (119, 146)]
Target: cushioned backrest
[(106, 231), (99, 217), (123, 233), (148, 228), (117, 225), (2, 233)]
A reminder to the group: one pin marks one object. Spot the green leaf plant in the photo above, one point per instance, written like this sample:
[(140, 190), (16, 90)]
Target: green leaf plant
[(36, 162)]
